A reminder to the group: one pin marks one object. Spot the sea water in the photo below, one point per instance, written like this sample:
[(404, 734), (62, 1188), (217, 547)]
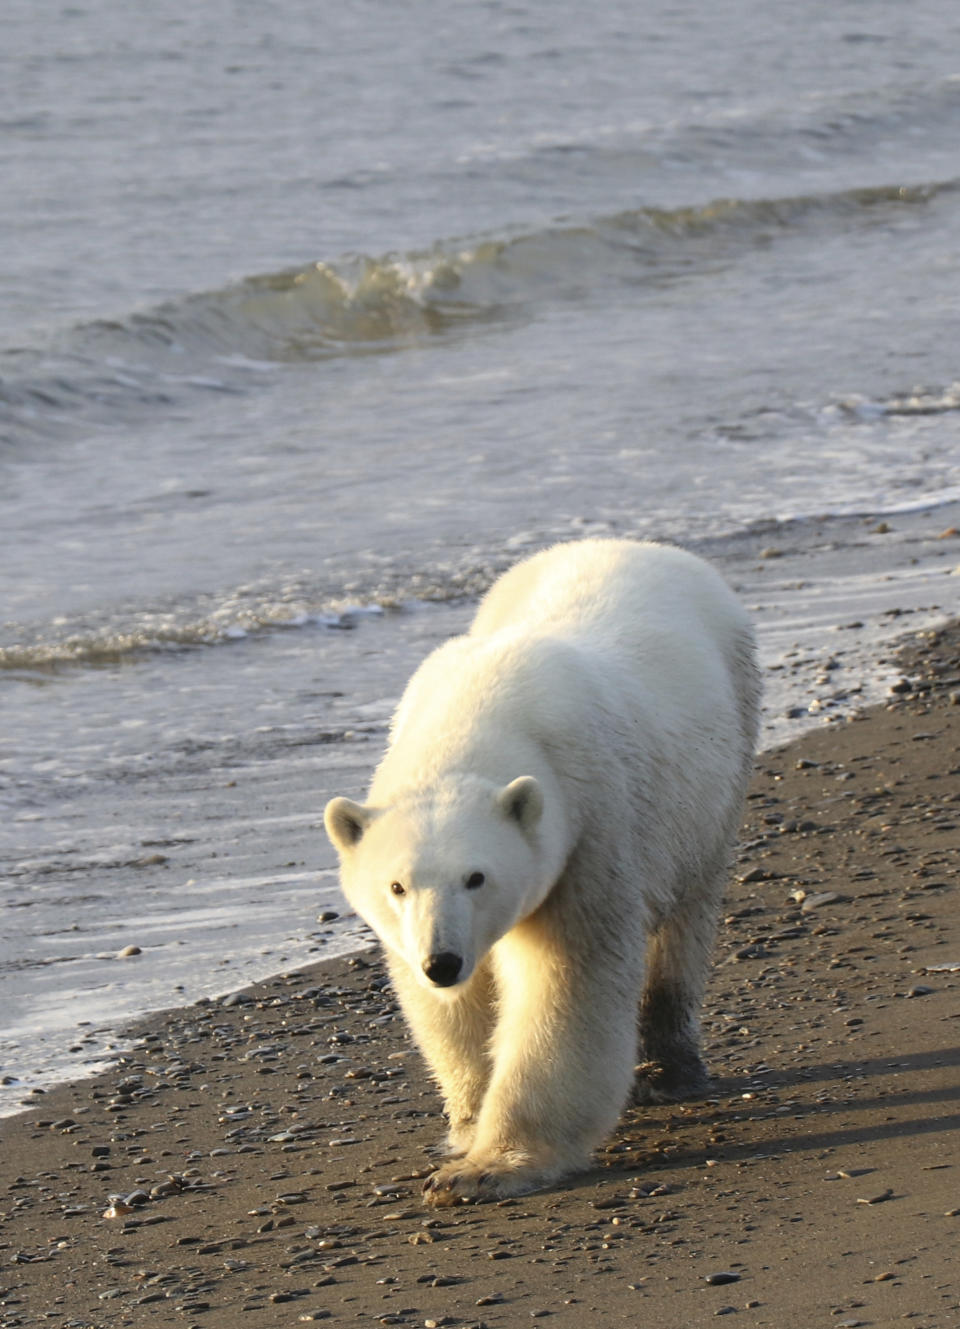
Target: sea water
[(314, 318)]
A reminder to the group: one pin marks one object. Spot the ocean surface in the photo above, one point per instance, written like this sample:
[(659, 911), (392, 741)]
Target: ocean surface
[(315, 317)]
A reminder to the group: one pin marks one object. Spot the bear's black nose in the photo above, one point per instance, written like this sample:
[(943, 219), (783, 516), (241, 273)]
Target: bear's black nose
[(443, 969)]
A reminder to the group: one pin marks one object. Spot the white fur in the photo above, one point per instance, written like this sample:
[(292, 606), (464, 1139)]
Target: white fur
[(619, 678)]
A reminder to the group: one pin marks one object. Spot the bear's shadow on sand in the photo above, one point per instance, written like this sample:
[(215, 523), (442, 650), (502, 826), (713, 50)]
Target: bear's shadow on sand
[(764, 1121)]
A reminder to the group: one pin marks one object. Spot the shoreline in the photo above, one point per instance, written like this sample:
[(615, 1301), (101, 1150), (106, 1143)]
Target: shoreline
[(215, 900), (268, 1147)]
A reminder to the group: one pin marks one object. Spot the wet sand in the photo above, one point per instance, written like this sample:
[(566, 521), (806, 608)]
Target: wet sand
[(268, 1148)]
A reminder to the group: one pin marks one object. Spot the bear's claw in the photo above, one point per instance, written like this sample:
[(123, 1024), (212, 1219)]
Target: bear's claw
[(458, 1183), (444, 1187), (656, 1082)]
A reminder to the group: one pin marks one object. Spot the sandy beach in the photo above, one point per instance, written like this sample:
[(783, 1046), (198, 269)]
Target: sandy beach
[(257, 1160)]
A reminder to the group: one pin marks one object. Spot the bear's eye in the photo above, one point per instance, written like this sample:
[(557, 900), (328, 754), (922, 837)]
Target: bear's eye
[(474, 880), (397, 888)]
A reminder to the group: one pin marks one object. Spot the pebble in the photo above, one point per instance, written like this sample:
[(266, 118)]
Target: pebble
[(753, 952), (128, 951), (811, 902), (878, 1199), (722, 1276)]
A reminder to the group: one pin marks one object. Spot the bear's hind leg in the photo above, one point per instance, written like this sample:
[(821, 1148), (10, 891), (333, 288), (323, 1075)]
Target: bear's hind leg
[(678, 960)]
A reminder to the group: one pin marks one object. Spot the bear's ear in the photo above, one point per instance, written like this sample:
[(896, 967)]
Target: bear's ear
[(522, 800), (346, 822)]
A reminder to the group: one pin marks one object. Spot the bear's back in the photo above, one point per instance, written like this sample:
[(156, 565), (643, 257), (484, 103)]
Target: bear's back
[(659, 617), (612, 592), (590, 665)]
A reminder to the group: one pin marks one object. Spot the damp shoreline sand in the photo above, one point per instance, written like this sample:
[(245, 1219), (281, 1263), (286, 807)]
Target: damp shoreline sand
[(268, 1147)]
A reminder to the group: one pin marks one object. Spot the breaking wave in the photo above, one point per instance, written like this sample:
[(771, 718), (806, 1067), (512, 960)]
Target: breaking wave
[(179, 630), (222, 341)]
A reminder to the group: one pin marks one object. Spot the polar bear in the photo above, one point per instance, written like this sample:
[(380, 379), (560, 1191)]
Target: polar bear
[(544, 845)]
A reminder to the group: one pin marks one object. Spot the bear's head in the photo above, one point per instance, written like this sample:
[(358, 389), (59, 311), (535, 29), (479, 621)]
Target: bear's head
[(443, 873)]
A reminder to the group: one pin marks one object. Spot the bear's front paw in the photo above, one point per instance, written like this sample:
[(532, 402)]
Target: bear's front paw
[(461, 1180)]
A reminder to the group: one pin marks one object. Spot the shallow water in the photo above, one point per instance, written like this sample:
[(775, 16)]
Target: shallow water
[(311, 324)]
